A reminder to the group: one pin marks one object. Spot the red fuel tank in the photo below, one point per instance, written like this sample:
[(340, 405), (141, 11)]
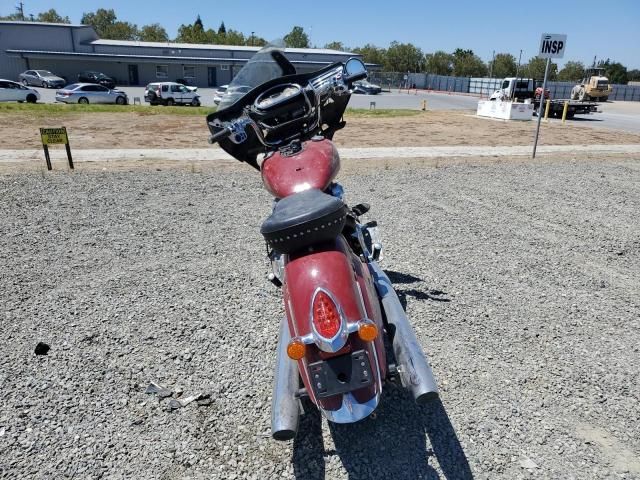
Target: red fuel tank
[(315, 166)]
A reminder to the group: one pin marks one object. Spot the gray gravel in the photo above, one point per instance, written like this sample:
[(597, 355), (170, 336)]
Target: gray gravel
[(522, 282)]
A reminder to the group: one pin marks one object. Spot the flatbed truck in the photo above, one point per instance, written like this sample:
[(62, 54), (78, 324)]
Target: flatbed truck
[(527, 88)]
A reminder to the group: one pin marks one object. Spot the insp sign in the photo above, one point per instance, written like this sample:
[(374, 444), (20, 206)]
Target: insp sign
[(552, 45)]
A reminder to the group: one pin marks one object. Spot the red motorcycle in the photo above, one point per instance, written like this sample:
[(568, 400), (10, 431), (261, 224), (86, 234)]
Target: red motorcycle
[(340, 307)]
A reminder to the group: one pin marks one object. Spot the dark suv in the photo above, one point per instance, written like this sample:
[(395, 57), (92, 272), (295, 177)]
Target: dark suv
[(96, 77)]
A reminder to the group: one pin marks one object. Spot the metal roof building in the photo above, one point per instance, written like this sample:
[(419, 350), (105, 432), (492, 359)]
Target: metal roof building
[(67, 50)]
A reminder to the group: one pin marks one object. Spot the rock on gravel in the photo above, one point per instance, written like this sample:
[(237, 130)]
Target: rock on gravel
[(522, 282)]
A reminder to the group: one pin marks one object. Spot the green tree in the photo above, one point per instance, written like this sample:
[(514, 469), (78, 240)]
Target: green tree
[(504, 65), (535, 69), (195, 34), (256, 41), (404, 57), (336, 46), (614, 71), (153, 33), (633, 75), (468, 64), (198, 22), (232, 37), (571, 72), (222, 29), (439, 63), (107, 25), (372, 54), (51, 16), (296, 38)]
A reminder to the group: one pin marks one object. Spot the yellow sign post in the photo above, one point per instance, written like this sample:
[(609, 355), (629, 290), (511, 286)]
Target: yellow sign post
[(55, 136)]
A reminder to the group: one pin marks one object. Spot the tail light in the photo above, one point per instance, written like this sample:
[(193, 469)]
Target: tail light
[(326, 317)]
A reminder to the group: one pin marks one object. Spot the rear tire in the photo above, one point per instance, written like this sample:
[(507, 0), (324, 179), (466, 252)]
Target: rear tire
[(170, 102), (120, 100), (31, 98), (605, 98), (83, 100)]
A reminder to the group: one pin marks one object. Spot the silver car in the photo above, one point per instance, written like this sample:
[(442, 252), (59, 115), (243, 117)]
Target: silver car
[(42, 78), (90, 93)]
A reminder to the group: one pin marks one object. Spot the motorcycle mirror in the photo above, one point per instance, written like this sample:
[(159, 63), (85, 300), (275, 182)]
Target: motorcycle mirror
[(354, 67)]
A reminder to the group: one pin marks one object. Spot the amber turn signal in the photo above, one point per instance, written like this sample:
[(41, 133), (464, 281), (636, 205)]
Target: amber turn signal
[(296, 349), (367, 331)]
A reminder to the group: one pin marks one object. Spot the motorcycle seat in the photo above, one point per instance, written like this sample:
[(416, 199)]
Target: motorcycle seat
[(304, 219)]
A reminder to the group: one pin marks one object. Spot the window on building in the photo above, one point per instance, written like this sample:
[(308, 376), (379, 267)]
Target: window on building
[(224, 67), (162, 71), (189, 71)]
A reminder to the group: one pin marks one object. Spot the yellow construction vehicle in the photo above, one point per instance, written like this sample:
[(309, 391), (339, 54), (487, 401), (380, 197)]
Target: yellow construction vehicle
[(594, 86)]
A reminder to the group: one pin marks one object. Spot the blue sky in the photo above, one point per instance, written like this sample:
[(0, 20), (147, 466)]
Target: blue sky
[(594, 28)]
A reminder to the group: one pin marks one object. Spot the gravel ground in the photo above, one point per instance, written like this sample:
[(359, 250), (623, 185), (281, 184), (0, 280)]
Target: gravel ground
[(522, 281)]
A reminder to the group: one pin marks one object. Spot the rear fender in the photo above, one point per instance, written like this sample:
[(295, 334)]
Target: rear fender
[(334, 268)]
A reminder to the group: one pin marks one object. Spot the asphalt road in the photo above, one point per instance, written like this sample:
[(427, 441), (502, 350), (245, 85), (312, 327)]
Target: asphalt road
[(623, 116)]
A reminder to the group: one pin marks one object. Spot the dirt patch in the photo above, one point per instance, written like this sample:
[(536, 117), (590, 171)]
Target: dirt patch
[(137, 130)]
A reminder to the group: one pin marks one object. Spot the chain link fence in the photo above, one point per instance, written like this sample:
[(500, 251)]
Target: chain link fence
[(483, 87)]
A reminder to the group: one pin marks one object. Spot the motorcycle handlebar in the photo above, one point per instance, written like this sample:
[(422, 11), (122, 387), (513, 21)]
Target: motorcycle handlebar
[(225, 132)]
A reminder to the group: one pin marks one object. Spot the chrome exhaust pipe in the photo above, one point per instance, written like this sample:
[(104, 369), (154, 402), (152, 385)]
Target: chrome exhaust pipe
[(413, 367), (285, 407)]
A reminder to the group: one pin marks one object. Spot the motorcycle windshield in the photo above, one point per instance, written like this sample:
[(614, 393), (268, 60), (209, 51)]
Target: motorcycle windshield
[(261, 68)]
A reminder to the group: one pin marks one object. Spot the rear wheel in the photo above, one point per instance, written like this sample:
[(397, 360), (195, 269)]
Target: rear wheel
[(170, 102), (120, 100), (31, 98), (83, 100), (605, 98)]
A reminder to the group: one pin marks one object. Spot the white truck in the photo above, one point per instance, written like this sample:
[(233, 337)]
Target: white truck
[(518, 88)]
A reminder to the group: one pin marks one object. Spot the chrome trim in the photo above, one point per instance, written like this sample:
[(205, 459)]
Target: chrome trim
[(337, 190), (351, 410), (351, 327), (375, 357)]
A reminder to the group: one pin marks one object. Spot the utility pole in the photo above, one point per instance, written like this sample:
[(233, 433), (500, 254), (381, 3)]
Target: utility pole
[(20, 10), (493, 61), (252, 38), (513, 94)]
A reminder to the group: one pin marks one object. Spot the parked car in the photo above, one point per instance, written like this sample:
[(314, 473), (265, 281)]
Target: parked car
[(96, 77), (184, 82), (231, 94), (42, 78), (90, 93), (170, 93), (220, 91), (11, 91), (366, 88)]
